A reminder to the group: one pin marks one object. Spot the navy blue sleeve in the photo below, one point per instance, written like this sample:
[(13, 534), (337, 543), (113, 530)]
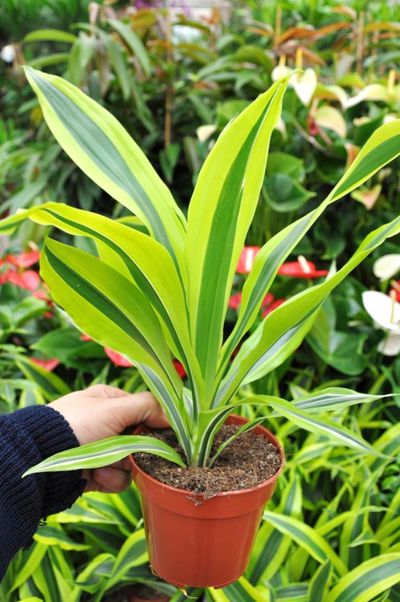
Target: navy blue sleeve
[(27, 437)]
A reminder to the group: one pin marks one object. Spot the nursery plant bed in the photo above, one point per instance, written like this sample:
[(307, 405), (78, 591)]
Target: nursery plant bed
[(201, 522)]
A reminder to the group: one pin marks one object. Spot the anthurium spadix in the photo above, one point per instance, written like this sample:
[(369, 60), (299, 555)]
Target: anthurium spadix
[(162, 296)]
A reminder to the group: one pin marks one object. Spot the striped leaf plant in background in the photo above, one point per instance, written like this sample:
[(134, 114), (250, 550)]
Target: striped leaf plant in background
[(163, 294)]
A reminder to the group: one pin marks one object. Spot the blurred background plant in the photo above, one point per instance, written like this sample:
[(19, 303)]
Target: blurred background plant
[(174, 73)]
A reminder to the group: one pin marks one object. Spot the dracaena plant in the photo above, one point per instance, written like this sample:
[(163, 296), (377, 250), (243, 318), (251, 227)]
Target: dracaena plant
[(163, 295)]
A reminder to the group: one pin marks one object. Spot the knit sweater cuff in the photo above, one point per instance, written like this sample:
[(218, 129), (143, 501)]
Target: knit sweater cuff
[(51, 434), (27, 437)]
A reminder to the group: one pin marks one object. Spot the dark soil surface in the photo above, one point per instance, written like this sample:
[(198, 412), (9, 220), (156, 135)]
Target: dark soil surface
[(246, 462)]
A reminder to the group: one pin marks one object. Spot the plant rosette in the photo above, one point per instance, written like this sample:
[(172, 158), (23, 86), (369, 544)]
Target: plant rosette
[(163, 295)]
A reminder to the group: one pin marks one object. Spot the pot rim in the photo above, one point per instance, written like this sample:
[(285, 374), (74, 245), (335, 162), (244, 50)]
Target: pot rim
[(222, 494)]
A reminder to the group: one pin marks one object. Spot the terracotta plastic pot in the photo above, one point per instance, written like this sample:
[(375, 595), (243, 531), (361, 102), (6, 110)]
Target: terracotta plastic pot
[(195, 542)]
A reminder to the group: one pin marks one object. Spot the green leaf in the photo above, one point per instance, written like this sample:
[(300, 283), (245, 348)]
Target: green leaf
[(284, 329), (132, 553), (285, 194), (285, 164), (51, 385), (319, 582), (105, 452), (49, 59), (138, 257), (49, 35), (248, 426), (133, 42), (52, 535), (220, 213), (83, 128), (96, 571), (368, 580), (272, 546), (382, 147), (117, 60), (324, 427), (116, 314), (335, 347), (333, 398), (32, 560), (307, 538)]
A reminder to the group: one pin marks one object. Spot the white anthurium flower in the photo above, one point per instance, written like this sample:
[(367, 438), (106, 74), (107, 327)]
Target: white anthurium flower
[(304, 85), (7, 53), (280, 71), (385, 311), (205, 131), (390, 345), (387, 266)]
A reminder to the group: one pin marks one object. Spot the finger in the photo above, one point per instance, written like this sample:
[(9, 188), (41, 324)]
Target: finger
[(140, 408), (123, 464), (109, 479), (104, 392)]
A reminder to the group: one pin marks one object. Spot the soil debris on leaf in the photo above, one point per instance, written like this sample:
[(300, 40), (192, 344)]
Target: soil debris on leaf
[(248, 461)]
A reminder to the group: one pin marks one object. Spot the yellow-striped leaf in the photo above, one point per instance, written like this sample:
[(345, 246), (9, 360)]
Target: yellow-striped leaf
[(368, 580), (306, 537), (103, 149), (291, 321), (382, 147), (116, 314), (104, 452), (220, 213)]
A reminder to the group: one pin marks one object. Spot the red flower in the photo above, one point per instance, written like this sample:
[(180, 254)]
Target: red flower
[(23, 260), (42, 295), (301, 269), (117, 359), (28, 280), (235, 301), (271, 306), (48, 365), (246, 260), (179, 368), (85, 337), (268, 299)]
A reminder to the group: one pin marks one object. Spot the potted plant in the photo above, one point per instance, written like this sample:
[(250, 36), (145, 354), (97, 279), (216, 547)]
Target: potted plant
[(163, 294)]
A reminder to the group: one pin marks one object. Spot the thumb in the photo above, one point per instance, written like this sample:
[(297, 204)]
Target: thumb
[(139, 408)]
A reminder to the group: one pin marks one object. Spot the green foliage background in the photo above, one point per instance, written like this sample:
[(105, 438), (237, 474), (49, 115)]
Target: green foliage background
[(335, 529)]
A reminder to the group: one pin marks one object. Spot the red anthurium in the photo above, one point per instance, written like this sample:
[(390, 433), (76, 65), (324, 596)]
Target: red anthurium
[(273, 305), (301, 269), (28, 280), (48, 365), (235, 301), (118, 359), (85, 337), (246, 260), (268, 299), (179, 368), (42, 295), (23, 260)]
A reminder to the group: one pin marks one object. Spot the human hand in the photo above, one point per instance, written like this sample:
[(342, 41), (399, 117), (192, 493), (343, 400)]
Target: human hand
[(103, 411)]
